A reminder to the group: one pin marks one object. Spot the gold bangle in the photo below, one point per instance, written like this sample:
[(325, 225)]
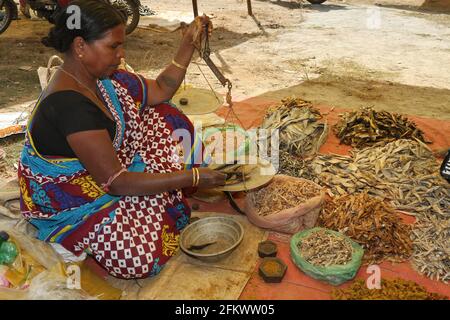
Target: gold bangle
[(178, 65), (198, 177), (194, 177)]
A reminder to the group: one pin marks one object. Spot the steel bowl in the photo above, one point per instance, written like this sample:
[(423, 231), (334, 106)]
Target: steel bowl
[(219, 235)]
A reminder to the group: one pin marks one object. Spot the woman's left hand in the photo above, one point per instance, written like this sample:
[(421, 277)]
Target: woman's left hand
[(197, 29)]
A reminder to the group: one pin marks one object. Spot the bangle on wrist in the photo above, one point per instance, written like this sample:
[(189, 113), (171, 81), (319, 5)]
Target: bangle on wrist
[(198, 177), (195, 177), (176, 64)]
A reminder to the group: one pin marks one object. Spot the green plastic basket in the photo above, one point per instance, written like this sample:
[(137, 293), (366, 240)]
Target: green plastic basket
[(334, 274)]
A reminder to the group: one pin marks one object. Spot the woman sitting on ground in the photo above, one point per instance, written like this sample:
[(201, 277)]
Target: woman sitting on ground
[(100, 172)]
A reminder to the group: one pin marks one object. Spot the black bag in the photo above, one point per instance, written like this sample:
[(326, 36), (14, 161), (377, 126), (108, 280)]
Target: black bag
[(445, 167)]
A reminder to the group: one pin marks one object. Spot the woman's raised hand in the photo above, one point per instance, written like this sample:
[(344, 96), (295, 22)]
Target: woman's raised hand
[(197, 30)]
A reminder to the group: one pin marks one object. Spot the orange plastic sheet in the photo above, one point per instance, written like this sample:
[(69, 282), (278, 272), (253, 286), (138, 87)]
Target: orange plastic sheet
[(296, 285)]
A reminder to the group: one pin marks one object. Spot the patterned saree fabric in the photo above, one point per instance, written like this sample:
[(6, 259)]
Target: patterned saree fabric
[(130, 236)]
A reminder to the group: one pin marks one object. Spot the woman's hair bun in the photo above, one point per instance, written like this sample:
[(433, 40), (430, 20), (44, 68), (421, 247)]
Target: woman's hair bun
[(96, 17)]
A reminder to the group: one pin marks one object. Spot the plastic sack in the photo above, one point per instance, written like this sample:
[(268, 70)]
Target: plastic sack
[(37, 273), (292, 220), (335, 274)]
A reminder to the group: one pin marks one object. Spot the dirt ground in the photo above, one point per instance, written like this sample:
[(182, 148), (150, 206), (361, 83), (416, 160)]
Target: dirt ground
[(393, 56), (342, 53)]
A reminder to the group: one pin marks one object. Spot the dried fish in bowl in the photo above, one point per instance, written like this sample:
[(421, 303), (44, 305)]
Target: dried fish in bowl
[(324, 249), (370, 222), (367, 127), (300, 131), (280, 195)]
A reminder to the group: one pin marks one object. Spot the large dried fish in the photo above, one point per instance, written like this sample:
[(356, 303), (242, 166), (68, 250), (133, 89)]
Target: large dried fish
[(370, 222), (297, 122), (367, 127)]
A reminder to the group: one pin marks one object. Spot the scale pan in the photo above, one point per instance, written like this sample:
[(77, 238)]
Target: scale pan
[(199, 101)]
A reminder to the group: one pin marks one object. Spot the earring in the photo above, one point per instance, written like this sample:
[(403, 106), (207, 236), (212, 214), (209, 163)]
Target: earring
[(80, 56)]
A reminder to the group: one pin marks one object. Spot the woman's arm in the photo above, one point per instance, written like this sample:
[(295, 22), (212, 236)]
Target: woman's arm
[(95, 151), (168, 82)]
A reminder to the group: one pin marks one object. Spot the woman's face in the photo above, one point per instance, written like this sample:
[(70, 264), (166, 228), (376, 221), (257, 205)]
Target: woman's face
[(101, 57)]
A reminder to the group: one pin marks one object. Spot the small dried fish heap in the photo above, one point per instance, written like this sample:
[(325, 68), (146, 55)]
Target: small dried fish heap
[(300, 131), (431, 239), (408, 174), (338, 173), (397, 289), (295, 166), (370, 222), (324, 249), (271, 200), (368, 127)]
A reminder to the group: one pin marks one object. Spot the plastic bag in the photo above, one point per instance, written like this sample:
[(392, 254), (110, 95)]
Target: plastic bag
[(292, 220), (40, 273), (9, 199), (336, 274), (37, 273)]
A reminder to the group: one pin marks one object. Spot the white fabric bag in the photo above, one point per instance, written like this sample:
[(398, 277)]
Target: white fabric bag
[(46, 73)]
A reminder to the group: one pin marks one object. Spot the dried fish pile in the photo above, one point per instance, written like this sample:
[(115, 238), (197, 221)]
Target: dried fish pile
[(405, 172), (295, 166), (370, 222), (431, 241), (397, 289), (280, 195), (324, 249), (300, 131), (367, 127), (338, 173)]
